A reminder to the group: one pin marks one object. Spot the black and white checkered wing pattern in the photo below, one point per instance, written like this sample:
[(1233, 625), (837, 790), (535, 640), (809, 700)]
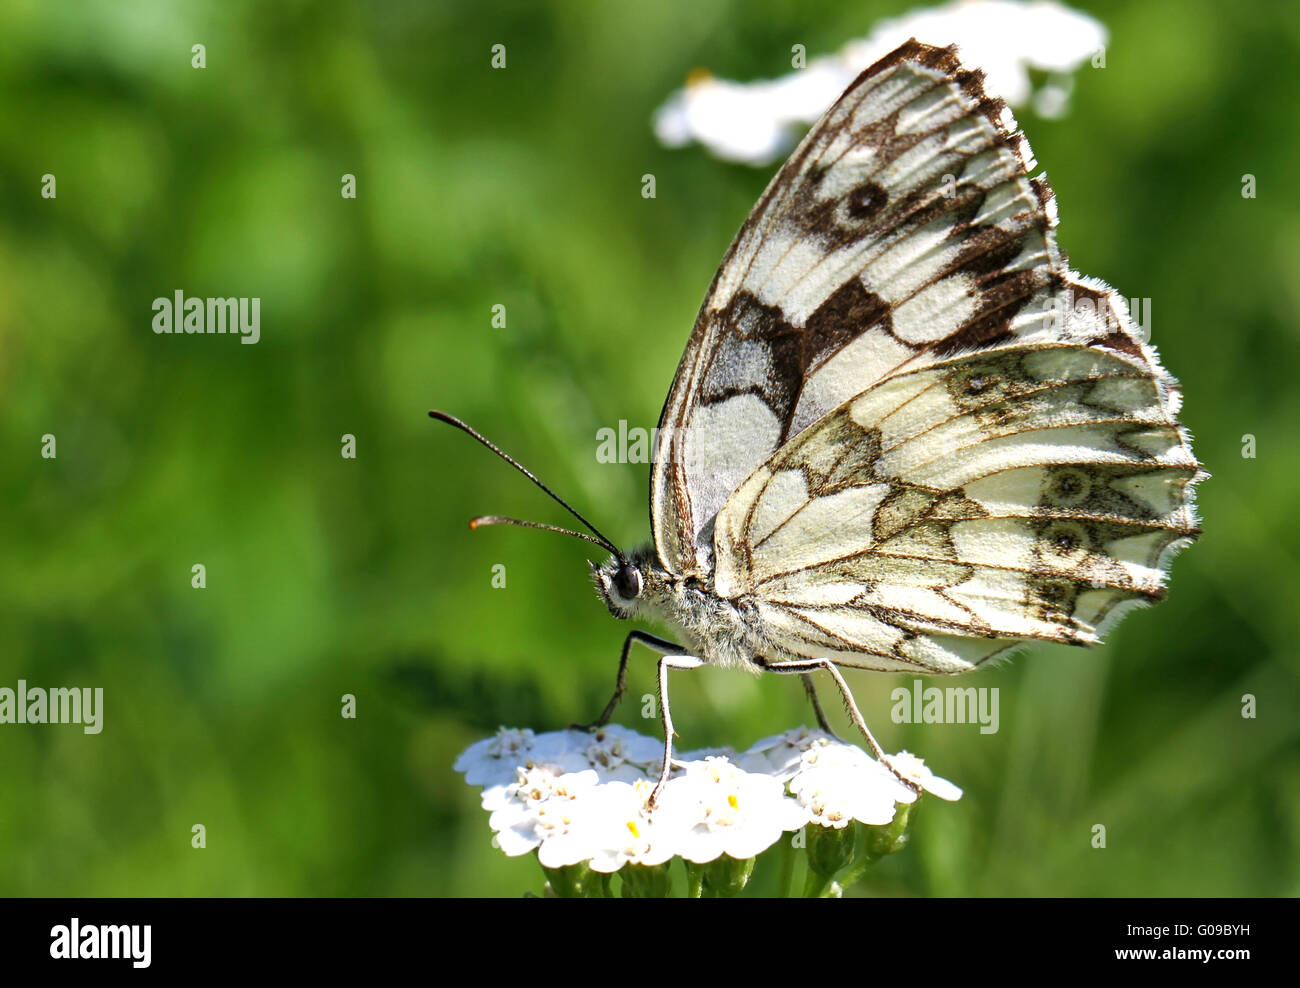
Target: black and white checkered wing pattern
[(949, 513), (903, 229)]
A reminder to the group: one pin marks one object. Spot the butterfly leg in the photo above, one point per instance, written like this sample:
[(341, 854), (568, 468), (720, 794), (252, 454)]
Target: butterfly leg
[(666, 663), (805, 666), (661, 645), (811, 690)]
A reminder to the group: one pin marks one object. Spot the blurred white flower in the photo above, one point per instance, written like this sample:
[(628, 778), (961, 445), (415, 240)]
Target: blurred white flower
[(757, 122)]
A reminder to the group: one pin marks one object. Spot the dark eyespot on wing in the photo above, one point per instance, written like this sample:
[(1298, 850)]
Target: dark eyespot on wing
[(866, 201)]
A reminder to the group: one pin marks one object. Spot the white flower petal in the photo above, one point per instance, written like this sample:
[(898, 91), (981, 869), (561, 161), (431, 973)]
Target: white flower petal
[(516, 841), (915, 769), (493, 760)]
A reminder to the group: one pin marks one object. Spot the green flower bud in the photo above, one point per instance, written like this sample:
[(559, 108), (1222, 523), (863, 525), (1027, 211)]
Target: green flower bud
[(891, 837), (725, 876), (646, 881), (577, 881), (830, 849)]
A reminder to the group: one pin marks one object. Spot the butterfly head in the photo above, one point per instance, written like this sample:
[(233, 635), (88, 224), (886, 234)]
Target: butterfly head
[(629, 583)]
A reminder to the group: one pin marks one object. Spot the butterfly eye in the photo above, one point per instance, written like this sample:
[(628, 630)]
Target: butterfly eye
[(627, 581)]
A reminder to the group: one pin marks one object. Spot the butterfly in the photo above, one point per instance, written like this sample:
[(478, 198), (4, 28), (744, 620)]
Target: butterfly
[(904, 435)]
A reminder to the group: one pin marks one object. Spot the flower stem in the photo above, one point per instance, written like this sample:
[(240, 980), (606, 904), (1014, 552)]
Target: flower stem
[(787, 868), (816, 886), (694, 880), (858, 870)]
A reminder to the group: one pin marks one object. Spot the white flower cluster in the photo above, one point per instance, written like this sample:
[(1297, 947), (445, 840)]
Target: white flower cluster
[(758, 122), (578, 797)]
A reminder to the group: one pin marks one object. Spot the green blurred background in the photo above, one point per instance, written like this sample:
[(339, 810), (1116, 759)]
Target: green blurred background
[(521, 187)]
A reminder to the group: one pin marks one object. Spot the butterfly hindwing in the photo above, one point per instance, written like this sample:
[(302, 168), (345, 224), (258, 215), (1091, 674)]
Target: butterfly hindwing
[(904, 228), (950, 512)]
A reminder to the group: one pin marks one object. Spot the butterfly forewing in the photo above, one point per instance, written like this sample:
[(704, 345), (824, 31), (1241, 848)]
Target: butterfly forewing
[(904, 228)]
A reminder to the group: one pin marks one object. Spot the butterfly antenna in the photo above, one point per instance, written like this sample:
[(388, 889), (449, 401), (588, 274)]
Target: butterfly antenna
[(599, 540), (484, 520)]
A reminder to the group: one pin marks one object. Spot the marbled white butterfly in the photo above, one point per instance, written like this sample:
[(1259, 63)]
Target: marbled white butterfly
[(904, 435)]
